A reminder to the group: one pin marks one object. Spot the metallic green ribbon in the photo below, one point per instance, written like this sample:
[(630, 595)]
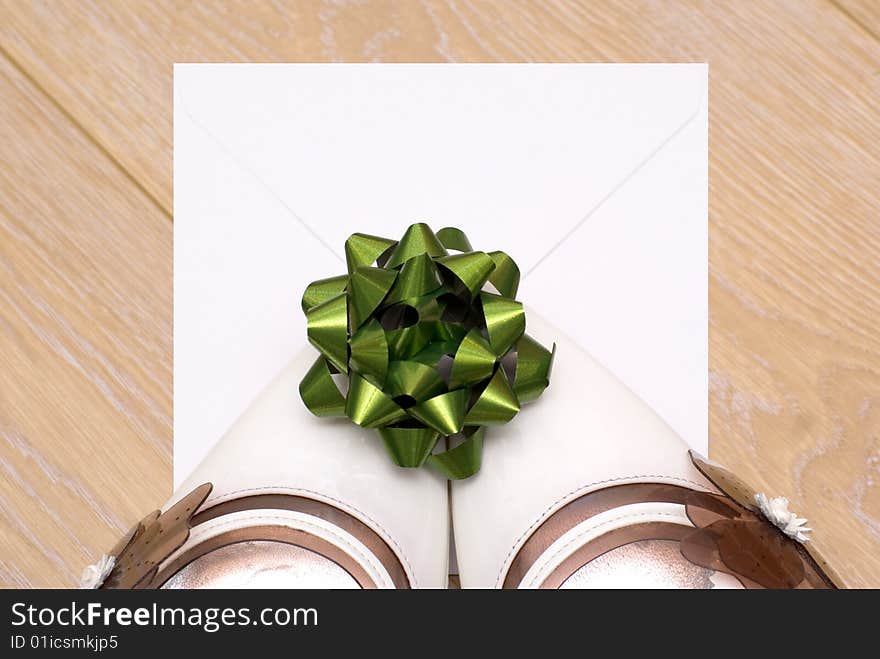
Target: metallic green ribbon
[(431, 356)]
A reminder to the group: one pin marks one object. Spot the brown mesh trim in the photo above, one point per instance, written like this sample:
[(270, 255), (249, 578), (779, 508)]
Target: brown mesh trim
[(598, 501), (583, 508)]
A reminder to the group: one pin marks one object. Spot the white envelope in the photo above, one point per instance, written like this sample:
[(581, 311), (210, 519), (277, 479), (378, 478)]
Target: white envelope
[(594, 178)]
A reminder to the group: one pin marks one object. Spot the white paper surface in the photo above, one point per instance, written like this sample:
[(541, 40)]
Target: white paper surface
[(592, 176)]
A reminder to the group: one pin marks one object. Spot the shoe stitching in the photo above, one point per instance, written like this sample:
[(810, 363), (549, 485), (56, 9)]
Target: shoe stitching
[(552, 507), (608, 522), (353, 550), (367, 517)]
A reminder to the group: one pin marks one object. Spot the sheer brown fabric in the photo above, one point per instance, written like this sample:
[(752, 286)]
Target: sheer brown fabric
[(152, 540), (731, 536)]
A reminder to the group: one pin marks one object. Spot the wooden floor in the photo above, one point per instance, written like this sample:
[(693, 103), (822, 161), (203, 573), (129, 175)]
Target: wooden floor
[(86, 215)]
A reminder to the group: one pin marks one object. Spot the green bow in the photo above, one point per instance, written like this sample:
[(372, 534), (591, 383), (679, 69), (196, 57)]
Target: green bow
[(428, 352)]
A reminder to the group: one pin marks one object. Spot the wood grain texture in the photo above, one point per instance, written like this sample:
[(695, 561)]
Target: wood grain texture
[(866, 13), (85, 345), (794, 189)]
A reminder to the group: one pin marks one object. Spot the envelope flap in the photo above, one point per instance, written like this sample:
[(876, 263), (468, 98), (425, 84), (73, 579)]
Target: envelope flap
[(275, 165), (489, 147)]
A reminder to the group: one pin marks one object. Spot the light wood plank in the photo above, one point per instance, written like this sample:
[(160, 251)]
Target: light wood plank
[(864, 12), (794, 290), (85, 345)]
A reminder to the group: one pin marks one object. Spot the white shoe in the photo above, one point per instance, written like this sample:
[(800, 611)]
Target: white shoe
[(588, 487), (297, 501)]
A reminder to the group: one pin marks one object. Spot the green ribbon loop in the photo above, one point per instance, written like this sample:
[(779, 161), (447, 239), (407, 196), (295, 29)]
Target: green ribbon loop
[(418, 239), (428, 351), (418, 277), (505, 321), (464, 460), (471, 269), (474, 360), (367, 287), (505, 277), (496, 405), (320, 393), (328, 330), (369, 406), (322, 290), (413, 380), (408, 341), (362, 249), (409, 447), (533, 365), (452, 238), (444, 413), (369, 353)]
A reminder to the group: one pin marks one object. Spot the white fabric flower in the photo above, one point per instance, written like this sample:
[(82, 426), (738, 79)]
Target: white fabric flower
[(94, 575), (776, 510)]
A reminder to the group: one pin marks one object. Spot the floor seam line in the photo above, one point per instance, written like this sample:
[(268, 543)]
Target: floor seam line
[(855, 19), (31, 79)]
